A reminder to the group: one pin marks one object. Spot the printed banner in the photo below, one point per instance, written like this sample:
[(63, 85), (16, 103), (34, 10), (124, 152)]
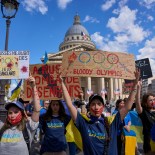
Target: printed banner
[(98, 64), (14, 64), (49, 84)]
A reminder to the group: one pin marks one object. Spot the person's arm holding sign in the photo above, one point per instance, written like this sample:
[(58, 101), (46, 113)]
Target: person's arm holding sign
[(131, 97), (68, 100), (138, 102), (36, 101)]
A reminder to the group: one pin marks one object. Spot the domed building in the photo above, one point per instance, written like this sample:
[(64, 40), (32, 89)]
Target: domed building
[(76, 35), (77, 38)]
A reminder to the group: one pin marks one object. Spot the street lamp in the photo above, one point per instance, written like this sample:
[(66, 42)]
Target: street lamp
[(9, 9)]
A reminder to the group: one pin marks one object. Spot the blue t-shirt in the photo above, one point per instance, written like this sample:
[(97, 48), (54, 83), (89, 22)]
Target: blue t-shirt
[(94, 135), (54, 130), (42, 111)]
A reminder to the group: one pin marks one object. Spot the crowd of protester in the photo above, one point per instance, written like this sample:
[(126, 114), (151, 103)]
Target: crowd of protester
[(47, 124)]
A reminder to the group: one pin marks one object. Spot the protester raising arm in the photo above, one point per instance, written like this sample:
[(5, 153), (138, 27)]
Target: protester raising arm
[(131, 97), (138, 102), (68, 100), (36, 101)]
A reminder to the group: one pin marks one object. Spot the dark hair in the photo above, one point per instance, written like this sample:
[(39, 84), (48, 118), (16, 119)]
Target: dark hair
[(144, 100), (118, 102), (49, 112), (78, 103), (125, 99), (7, 125)]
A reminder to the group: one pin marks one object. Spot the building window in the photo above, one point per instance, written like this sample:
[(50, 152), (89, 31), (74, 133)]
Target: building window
[(77, 37), (72, 38)]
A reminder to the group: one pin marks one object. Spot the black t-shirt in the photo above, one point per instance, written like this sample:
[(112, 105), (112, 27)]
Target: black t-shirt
[(148, 119)]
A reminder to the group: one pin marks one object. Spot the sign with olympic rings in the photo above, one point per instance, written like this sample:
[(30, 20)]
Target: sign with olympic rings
[(14, 64), (98, 64)]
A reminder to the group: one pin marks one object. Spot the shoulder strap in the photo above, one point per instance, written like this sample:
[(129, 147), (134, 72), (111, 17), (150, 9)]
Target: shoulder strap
[(26, 137), (107, 126)]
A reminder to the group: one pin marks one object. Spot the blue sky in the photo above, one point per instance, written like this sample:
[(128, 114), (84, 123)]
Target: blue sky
[(114, 25)]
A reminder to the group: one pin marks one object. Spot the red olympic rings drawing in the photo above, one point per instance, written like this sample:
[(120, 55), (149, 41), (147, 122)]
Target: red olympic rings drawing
[(112, 58)]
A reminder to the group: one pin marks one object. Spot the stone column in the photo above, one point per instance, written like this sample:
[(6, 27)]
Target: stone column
[(111, 87), (120, 87), (102, 86), (116, 88), (89, 84)]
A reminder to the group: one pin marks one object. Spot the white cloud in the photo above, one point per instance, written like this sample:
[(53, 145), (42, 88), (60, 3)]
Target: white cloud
[(122, 3), (148, 3), (91, 19), (125, 26), (150, 18), (62, 4), (126, 32), (148, 51), (107, 45), (108, 4), (35, 5)]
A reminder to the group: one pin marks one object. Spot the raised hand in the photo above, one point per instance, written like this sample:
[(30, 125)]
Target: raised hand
[(31, 81), (137, 75)]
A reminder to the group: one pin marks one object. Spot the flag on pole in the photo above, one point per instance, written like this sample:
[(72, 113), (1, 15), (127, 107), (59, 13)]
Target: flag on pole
[(117, 91), (46, 58), (84, 35), (103, 91), (15, 93), (89, 92)]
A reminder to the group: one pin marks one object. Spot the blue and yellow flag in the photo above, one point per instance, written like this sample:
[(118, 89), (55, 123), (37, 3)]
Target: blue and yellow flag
[(73, 134), (136, 126), (15, 93), (46, 58)]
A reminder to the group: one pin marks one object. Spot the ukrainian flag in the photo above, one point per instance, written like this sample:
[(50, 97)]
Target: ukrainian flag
[(73, 134), (15, 93), (130, 142), (136, 126)]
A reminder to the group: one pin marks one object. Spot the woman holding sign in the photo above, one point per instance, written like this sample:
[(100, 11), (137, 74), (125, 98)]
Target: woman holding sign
[(16, 132), (146, 111), (95, 132), (53, 124)]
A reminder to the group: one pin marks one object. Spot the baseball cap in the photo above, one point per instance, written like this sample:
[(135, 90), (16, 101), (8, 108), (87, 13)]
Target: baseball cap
[(22, 101), (96, 96), (16, 103)]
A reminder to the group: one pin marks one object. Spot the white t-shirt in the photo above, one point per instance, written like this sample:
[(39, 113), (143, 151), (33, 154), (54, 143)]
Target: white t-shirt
[(12, 141)]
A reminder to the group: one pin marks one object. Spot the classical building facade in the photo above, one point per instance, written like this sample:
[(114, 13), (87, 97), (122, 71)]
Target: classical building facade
[(77, 38)]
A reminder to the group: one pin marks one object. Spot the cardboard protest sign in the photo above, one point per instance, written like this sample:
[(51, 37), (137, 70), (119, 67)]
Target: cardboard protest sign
[(145, 68), (49, 84), (98, 64), (14, 64)]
